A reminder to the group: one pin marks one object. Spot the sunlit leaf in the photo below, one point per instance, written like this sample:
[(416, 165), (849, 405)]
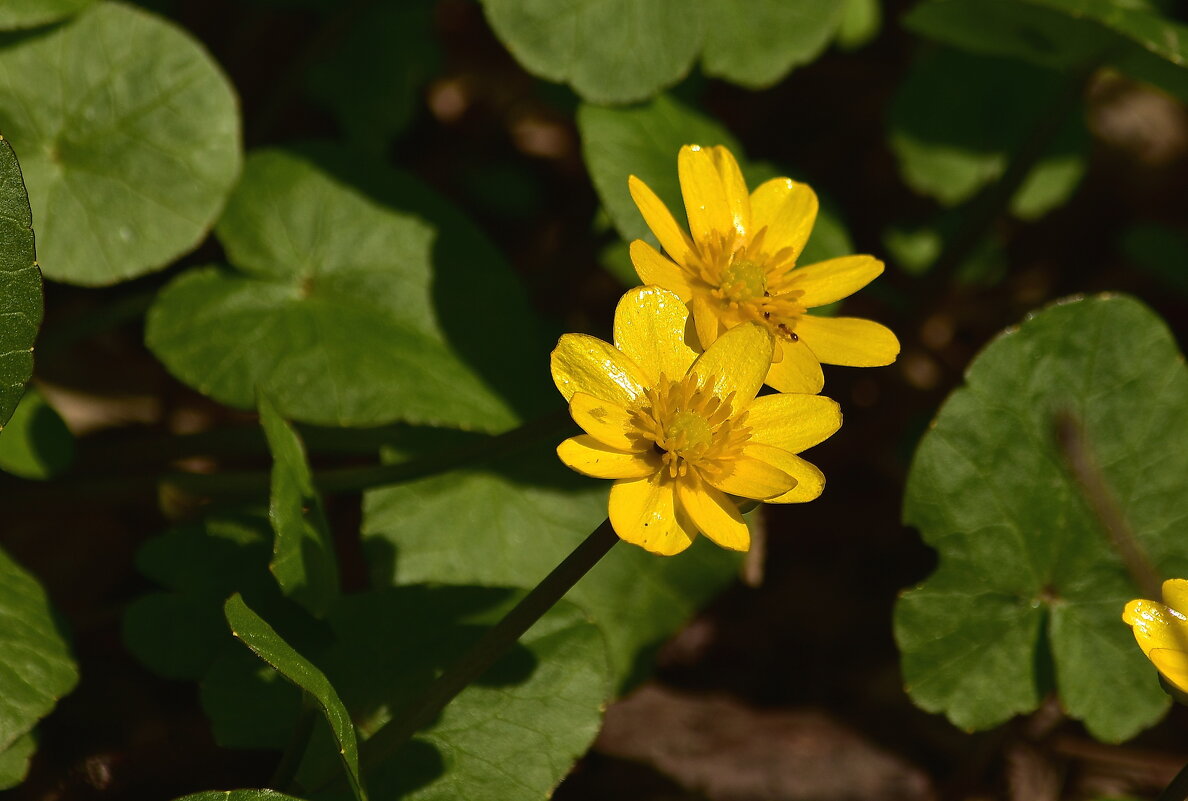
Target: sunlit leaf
[(357, 300), (130, 140), (265, 643), (1079, 410), (860, 23), (957, 119), (755, 43), (239, 795), (14, 761), (303, 558), (20, 285), (36, 443)]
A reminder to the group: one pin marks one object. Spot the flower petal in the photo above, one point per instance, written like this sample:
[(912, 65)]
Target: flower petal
[(737, 362), (582, 363), (651, 328), (750, 477), (1173, 665), (706, 206), (607, 422), (810, 481), (1156, 626), (715, 515), (830, 281), (1175, 594), (735, 187), (788, 210), (590, 457), (799, 371), (644, 512), (652, 267), (706, 320), (793, 422), (848, 341), (672, 237)]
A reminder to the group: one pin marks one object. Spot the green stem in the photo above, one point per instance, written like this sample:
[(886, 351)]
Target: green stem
[(490, 647), (1178, 789)]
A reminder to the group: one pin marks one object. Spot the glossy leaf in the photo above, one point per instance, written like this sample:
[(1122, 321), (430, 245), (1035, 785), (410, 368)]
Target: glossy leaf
[(518, 517), (124, 175), (14, 761), (37, 668), (957, 119), (354, 303), (239, 795), (303, 559), (1066, 34), (36, 443), (16, 14), (20, 285), (1079, 409), (755, 43), (265, 643)]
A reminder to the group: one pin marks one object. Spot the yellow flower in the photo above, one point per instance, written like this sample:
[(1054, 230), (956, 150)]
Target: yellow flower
[(680, 432), (740, 266), (1162, 631)]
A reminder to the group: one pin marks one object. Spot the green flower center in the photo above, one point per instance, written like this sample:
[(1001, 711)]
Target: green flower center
[(744, 280), (688, 432)]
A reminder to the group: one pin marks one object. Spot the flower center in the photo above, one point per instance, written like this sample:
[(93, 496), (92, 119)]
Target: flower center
[(743, 280), (689, 425)]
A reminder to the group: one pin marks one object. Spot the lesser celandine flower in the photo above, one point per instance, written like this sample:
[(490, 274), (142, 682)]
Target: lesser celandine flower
[(740, 266), (683, 434), (1162, 631)]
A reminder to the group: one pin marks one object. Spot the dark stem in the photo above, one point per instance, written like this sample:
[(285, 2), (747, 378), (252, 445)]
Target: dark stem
[(1178, 789), (286, 769)]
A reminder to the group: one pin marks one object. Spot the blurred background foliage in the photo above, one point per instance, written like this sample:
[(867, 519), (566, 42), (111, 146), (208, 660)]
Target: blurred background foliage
[(366, 222)]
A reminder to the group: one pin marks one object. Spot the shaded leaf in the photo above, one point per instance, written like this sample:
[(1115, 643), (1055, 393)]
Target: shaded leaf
[(124, 175), (263, 640), (20, 284), (16, 14), (354, 303), (512, 521), (238, 795), (957, 119), (1029, 592), (1160, 251), (860, 23), (303, 558), (14, 761), (755, 43), (36, 443)]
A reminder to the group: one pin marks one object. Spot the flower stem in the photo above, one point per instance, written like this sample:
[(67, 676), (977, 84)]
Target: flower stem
[(1177, 790)]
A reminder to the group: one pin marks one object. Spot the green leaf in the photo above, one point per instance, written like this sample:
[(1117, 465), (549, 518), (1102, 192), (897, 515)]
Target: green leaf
[(37, 668), (14, 761), (393, 45), (356, 301), (303, 558), (644, 141), (512, 521), (124, 175), (37, 444), (239, 795), (957, 119), (1065, 34), (755, 43), (265, 643), (20, 284), (860, 23), (609, 51), (1029, 592), (16, 14)]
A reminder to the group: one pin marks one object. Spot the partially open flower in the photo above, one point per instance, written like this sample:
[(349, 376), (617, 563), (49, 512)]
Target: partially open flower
[(1161, 630), (740, 265), (683, 435)]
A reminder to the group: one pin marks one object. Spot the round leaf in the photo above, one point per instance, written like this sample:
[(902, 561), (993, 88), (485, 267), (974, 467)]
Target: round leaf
[(130, 136), (20, 285), (36, 444), (755, 43), (31, 13)]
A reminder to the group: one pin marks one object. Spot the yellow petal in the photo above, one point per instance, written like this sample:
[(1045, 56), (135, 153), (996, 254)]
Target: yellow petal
[(712, 512), (1173, 665), (737, 362), (644, 512), (1156, 626), (590, 457), (672, 237), (652, 267), (735, 187), (607, 422), (706, 205), (810, 481), (749, 476), (651, 327), (799, 371), (582, 363), (787, 210), (1175, 594), (705, 318), (793, 422), (848, 341), (830, 281)]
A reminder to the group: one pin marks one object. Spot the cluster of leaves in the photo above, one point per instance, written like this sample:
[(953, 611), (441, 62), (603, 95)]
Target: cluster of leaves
[(353, 295)]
